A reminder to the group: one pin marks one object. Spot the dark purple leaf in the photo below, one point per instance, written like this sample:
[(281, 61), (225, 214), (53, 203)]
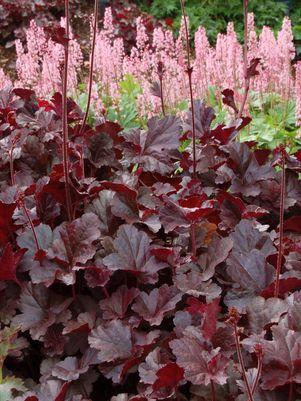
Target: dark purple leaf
[(248, 173), (7, 226), (116, 306), (203, 118), (200, 364), (155, 149), (40, 309), (73, 242), (100, 150), (9, 262), (113, 341), (251, 70), (228, 99), (208, 312), (281, 359), (169, 376), (133, 254), (69, 369), (261, 312), (154, 306)]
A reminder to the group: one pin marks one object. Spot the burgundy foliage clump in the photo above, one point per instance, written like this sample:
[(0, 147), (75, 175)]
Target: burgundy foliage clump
[(114, 304), (15, 14)]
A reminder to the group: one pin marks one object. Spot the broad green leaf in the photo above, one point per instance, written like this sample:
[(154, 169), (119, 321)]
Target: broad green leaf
[(8, 386)]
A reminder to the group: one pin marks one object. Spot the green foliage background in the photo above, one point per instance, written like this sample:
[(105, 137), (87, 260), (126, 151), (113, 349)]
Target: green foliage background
[(215, 14)]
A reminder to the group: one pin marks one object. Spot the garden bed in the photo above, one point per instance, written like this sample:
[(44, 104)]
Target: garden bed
[(150, 208)]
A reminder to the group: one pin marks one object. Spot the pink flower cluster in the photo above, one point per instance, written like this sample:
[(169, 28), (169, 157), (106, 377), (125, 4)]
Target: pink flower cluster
[(109, 57), (221, 66), (40, 66), (298, 93), (5, 81)]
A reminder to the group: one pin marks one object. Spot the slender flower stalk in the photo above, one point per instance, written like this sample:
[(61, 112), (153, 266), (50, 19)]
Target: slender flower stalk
[(65, 126), (21, 202), (160, 71), (213, 396), (189, 73), (298, 93), (281, 223), (258, 351), (162, 97), (193, 239), (11, 166), (31, 226), (242, 364), (233, 320), (291, 389), (65, 117), (245, 58), (82, 129)]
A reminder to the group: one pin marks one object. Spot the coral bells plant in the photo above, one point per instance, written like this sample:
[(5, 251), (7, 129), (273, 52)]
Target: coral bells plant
[(152, 263), (113, 303)]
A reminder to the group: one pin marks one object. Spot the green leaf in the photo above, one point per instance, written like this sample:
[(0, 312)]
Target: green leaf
[(129, 86), (184, 144), (10, 385), (182, 106), (8, 342), (125, 111)]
